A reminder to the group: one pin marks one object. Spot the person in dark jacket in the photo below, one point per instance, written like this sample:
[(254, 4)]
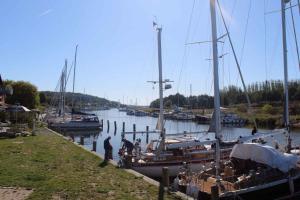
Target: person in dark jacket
[(108, 149), (254, 130), (128, 145)]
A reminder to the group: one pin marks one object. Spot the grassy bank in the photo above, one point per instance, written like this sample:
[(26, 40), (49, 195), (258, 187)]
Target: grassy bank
[(57, 169)]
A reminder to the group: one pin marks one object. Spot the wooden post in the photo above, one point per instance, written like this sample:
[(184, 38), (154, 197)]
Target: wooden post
[(214, 192), (81, 140), (291, 185), (94, 146), (123, 127), (165, 177), (147, 134), (134, 129), (115, 125), (161, 192), (107, 125)]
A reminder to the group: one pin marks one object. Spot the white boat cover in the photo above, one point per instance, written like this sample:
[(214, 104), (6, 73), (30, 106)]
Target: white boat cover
[(266, 155), (261, 135)]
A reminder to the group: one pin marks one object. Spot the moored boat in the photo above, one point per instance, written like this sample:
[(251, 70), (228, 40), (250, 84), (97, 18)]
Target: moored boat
[(81, 123)]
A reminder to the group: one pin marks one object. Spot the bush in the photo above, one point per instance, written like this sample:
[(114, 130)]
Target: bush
[(24, 93), (242, 108), (268, 109), (270, 123), (294, 109), (3, 116)]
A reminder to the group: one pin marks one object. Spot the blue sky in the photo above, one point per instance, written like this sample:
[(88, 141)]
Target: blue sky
[(117, 44)]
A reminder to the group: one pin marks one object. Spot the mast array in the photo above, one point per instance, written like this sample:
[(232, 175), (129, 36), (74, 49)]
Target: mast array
[(216, 84), (285, 64), (160, 80), (74, 76), (63, 83)]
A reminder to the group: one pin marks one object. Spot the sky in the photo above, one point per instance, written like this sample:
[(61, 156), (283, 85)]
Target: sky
[(117, 44)]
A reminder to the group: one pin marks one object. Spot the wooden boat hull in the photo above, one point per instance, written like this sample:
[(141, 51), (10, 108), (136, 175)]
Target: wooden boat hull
[(155, 170), (272, 190), (197, 161)]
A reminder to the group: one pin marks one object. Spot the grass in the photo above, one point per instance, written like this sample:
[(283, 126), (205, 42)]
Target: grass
[(57, 169)]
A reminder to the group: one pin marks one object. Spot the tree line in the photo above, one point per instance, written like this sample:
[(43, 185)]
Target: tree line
[(259, 92), (26, 94), (80, 100)]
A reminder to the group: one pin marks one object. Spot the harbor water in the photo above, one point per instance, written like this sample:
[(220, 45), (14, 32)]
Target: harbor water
[(171, 126)]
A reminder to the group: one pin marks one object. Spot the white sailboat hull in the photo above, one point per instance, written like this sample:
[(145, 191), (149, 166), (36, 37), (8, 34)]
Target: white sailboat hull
[(156, 170), (75, 125)]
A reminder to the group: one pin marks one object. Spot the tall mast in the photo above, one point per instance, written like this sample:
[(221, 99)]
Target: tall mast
[(285, 64), (161, 103), (64, 84), (75, 59), (216, 84), (60, 110)]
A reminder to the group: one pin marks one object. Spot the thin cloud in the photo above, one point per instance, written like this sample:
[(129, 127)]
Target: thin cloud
[(46, 12)]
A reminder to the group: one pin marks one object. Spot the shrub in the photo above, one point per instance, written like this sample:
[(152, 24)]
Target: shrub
[(268, 109), (242, 108)]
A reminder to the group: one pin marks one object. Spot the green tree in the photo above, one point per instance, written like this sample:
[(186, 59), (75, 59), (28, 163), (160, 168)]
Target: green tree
[(24, 93), (168, 104), (43, 98)]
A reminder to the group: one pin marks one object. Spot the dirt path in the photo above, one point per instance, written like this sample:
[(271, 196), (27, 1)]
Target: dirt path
[(10, 193)]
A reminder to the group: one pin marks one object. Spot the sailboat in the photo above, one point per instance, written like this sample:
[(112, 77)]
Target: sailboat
[(174, 151), (254, 170), (64, 121)]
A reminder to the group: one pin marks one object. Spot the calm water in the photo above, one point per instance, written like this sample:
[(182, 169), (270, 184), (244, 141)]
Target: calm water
[(170, 125)]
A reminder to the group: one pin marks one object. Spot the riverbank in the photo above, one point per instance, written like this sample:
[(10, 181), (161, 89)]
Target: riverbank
[(57, 169), (266, 116)]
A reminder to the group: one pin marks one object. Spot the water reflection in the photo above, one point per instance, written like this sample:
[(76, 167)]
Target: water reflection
[(228, 133), (89, 136)]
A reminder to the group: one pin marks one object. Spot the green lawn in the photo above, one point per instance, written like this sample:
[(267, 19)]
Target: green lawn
[(58, 169)]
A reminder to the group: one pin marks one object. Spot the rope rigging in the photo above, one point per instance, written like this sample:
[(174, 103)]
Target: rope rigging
[(185, 46), (246, 30), (265, 42), (294, 31), (237, 63)]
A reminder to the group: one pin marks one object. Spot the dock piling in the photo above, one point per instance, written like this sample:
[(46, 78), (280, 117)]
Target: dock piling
[(165, 177), (108, 126), (81, 140), (94, 145), (134, 130), (123, 127), (147, 134), (115, 125)]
